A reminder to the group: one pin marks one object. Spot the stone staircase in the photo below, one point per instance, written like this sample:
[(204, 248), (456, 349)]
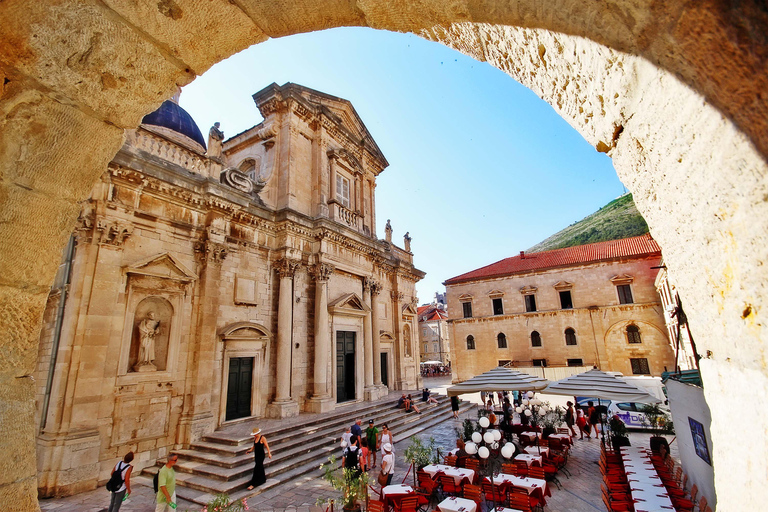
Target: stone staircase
[(218, 462)]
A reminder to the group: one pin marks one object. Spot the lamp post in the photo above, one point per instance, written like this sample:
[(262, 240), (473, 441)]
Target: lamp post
[(534, 409), (485, 443)]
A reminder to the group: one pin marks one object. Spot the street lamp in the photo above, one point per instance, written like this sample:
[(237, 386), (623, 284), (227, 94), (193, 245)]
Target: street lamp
[(485, 443)]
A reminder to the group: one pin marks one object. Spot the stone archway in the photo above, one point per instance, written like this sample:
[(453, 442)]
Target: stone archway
[(674, 93)]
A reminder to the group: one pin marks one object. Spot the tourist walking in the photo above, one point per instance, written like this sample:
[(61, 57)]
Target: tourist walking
[(352, 456), (594, 417), (581, 422), (569, 417), (166, 486), (259, 446), (374, 444), (455, 406), (387, 463), (123, 468), (386, 438)]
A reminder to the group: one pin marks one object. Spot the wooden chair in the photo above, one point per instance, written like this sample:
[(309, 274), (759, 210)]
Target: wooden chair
[(493, 493), (509, 468), (375, 506), (563, 430), (448, 486), (451, 460), (533, 501), (471, 463), (474, 493), (537, 472), (519, 502), (427, 486), (616, 506), (522, 468), (406, 504)]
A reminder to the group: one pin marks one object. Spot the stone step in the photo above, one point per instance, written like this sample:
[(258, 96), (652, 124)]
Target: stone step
[(197, 491), (209, 464)]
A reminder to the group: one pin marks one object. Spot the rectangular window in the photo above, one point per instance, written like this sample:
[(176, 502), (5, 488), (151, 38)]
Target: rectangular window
[(539, 362), (426, 348), (640, 366), (498, 307), (530, 303), (467, 307), (625, 294), (342, 190), (575, 362), (504, 362), (565, 300), (434, 347)]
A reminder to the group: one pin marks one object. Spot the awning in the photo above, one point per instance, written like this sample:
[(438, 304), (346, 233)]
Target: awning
[(499, 379)]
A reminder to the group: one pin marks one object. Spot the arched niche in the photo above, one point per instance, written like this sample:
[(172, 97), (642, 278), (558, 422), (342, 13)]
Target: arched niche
[(245, 352)]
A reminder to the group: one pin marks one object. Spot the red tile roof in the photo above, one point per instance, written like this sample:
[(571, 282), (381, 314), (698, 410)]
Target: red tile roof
[(637, 246)]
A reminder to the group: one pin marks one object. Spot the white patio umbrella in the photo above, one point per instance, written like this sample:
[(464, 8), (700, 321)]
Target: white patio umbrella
[(432, 362), (499, 379), (600, 385)]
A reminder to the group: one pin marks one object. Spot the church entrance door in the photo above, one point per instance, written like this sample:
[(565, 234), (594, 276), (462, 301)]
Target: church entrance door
[(239, 387), (345, 366), (384, 369)]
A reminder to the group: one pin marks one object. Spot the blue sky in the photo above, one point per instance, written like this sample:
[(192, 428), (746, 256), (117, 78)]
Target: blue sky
[(480, 167)]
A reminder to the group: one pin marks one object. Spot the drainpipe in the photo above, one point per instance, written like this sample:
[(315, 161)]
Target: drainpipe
[(70, 256), (594, 336)]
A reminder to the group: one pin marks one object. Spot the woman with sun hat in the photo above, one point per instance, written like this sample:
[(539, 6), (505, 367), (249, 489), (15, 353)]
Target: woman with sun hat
[(259, 445)]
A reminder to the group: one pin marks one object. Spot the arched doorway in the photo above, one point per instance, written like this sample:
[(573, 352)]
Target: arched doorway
[(683, 116)]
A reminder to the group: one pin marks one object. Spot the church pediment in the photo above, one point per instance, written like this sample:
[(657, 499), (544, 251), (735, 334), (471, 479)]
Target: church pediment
[(563, 285), (164, 266), (409, 309), (495, 294), (622, 279), (244, 331), (349, 304), (386, 336)]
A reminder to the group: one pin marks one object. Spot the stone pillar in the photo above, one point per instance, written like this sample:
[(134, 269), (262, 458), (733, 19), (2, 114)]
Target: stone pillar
[(284, 406), (368, 340), (322, 399), (376, 334)]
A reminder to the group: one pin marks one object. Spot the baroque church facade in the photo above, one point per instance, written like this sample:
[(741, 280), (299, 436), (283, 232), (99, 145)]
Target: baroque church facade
[(205, 285)]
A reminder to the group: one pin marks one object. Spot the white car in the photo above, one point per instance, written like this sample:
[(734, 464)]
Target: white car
[(632, 413)]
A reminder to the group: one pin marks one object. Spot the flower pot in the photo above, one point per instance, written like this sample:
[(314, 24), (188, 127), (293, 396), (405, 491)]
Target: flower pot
[(354, 508)]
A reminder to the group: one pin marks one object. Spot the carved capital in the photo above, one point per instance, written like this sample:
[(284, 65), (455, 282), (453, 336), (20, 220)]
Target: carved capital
[(286, 267), (376, 288), (322, 271), (397, 296), (113, 232), (368, 283), (213, 252)]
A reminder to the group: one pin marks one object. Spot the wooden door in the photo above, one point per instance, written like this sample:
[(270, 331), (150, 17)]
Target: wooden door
[(345, 366), (239, 387)]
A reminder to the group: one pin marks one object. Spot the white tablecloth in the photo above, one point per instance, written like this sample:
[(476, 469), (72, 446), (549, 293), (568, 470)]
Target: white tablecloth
[(453, 504), (645, 485), (458, 474), (566, 438), (504, 509), (529, 459), (391, 490), (534, 450), (526, 483), (530, 435)]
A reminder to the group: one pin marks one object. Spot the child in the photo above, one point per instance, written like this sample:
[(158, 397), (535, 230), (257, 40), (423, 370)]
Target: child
[(364, 454), (581, 422)]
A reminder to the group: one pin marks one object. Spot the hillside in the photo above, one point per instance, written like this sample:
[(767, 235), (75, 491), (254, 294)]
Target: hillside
[(618, 219)]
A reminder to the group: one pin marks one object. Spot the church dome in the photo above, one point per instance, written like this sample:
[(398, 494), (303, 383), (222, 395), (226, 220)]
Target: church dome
[(175, 123)]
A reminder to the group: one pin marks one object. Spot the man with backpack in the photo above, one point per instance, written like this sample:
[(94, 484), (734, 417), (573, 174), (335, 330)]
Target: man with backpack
[(352, 456), (119, 484), (166, 486)]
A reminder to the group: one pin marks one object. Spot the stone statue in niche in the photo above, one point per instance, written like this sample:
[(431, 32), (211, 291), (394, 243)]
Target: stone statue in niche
[(388, 232), (150, 335), (148, 329), (407, 340), (407, 241)]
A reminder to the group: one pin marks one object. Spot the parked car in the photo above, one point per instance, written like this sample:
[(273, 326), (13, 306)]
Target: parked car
[(630, 413)]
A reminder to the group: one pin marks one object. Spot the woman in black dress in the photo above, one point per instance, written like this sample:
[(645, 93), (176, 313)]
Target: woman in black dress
[(259, 445)]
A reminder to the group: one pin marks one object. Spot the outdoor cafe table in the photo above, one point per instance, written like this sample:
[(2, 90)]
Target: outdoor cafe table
[(458, 474), (646, 488), (528, 458), (393, 493), (537, 450), (531, 436), (566, 438), (531, 485), (504, 509), (454, 504)]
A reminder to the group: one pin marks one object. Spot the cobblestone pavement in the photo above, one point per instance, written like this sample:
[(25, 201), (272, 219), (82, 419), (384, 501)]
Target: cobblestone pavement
[(579, 493)]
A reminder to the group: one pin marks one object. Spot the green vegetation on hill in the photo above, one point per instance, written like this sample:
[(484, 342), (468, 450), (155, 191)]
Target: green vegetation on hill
[(618, 219)]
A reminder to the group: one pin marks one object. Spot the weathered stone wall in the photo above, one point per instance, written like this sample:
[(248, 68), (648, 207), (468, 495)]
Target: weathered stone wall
[(692, 150)]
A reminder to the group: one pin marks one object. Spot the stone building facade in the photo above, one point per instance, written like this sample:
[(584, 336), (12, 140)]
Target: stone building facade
[(678, 330), (434, 337), (207, 285), (589, 305)]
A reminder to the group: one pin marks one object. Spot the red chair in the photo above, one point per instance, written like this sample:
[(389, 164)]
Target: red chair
[(519, 502), (448, 486), (450, 460), (406, 504), (494, 493), (474, 493), (522, 468), (375, 506), (533, 501)]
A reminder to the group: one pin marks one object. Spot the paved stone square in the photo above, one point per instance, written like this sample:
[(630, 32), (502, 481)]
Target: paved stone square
[(579, 493)]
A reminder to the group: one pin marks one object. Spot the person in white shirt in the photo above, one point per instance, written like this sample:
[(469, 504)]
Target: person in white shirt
[(388, 462)]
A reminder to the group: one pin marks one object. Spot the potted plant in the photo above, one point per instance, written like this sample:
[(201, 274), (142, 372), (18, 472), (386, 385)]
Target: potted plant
[(352, 486), (223, 503), (549, 419), (618, 435), (465, 432), (658, 421), (421, 454)]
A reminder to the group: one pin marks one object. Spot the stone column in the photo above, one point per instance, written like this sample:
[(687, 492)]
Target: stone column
[(368, 339), (284, 406), (376, 335), (322, 400)]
